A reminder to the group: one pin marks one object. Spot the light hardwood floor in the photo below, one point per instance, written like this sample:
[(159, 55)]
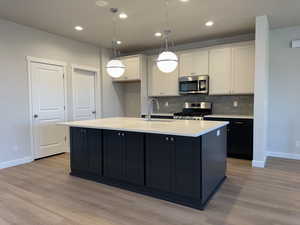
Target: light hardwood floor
[(43, 193)]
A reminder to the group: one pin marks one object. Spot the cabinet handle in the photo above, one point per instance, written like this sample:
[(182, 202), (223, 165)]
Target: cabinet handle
[(172, 139), (123, 134), (167, 139), (119, 134)]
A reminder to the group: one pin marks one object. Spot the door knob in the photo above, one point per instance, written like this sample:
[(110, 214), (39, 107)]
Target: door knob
[(35, 116), (94, 112)]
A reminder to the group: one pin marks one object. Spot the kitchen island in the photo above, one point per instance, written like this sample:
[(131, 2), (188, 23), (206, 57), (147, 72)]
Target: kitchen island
[(180, 161)]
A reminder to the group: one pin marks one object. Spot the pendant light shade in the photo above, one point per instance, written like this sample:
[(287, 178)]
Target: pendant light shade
[(115, 68), (167, 62)]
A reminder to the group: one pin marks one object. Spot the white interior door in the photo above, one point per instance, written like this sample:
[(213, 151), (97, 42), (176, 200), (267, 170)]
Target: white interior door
[(48, 108), (84, 107)]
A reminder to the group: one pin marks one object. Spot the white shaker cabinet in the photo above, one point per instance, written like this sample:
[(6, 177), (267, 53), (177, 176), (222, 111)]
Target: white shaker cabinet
[(194, 62), (243, 67), (159, 83), (133, 68), (220, 72)]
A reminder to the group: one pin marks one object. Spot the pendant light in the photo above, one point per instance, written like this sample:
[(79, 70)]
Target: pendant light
[(115, 67), (167, 60)]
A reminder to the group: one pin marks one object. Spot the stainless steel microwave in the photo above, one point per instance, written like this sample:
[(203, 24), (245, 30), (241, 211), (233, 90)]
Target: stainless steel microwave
[(194, 84)]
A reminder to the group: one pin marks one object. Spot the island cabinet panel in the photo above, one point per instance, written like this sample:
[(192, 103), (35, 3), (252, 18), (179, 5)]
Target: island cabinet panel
[(123, 154), (187, 167), (159, 152), (113, 154), (86, 150), (173, 164), (213, 161), (134, 158)]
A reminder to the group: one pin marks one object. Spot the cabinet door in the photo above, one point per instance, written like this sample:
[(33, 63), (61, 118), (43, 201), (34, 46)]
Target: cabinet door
[(132, 71), (94, 142), (240, 139), (161, 84), (86, 150), (158, 162), (243, 67), (220, 71), (187, 167), (79, 156), (134, 158), (113, 154), (194, 63)]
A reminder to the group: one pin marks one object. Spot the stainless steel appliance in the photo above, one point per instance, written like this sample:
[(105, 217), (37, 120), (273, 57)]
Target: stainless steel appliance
[(194, 111), (194, 84)]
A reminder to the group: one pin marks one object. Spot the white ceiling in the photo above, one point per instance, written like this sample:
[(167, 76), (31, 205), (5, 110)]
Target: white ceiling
[(187, 20)]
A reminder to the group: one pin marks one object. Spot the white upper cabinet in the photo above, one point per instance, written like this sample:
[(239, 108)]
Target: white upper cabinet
[(243, 67), (159, 83), (193, 62), (133, 68), (220, 63)]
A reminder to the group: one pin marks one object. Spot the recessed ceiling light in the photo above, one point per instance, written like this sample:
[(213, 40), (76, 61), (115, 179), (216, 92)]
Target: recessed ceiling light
[(209, 23), (158, 34), (123, 16), (101, 3), (79, 28), (119, 42), (184, 0)]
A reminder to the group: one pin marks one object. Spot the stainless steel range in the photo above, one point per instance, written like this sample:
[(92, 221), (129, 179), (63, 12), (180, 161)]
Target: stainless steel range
[(194, 111)]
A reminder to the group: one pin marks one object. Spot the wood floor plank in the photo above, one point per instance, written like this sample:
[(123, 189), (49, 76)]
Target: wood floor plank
[(44, 193)]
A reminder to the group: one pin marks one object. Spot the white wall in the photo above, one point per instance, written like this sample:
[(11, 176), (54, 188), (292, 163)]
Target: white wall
[(261, 91), (17, 42), (284, 94)]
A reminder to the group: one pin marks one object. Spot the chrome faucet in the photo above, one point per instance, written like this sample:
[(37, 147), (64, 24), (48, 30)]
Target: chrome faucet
[(150, 107)]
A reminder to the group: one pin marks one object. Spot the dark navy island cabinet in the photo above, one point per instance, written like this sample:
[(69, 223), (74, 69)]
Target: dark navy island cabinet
[(173, 165), (184, 170), (123, 154), (86, 151)]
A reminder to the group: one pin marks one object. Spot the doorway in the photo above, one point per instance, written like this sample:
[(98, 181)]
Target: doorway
[(83, 86), (47, 87)]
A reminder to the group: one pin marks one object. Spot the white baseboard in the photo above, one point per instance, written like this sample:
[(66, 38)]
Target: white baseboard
[(259, 164), (15, 162), (284, 155)]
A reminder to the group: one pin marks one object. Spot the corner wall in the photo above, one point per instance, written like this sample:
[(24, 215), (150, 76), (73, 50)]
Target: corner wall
[(261, 91), (284, 93)]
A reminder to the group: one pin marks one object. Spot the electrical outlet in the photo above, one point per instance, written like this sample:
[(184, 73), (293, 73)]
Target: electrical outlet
[(235, 103), (297, 144)]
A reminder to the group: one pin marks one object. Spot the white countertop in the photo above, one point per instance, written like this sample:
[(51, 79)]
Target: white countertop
[(190, 128), (229, 116)]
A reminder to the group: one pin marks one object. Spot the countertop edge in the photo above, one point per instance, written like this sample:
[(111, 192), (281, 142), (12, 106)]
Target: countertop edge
[(198, 134)]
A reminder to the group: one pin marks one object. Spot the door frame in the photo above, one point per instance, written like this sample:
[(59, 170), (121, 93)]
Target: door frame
[(97, 88), (30, 60)]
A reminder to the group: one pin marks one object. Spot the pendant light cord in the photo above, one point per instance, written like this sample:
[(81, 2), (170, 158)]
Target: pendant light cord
[(167, 30), (114, 41)]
